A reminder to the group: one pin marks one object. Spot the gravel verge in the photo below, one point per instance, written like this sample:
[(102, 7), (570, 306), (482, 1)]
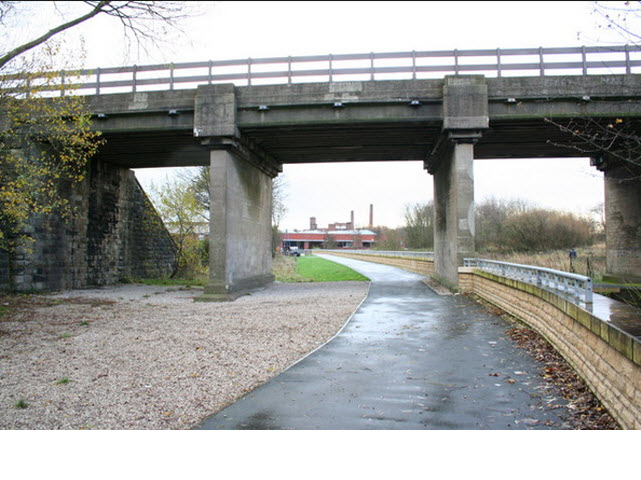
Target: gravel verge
[(145, 357)]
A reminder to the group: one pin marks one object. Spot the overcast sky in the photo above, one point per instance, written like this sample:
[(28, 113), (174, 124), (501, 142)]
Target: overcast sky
[(260, 29)]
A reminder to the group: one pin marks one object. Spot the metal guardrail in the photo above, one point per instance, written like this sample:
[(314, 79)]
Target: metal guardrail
[(576, 287), (343, 67), (381, 253)]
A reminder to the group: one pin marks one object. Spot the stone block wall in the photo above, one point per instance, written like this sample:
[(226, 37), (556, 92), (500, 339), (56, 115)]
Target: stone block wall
[(607, 358), (116, 235), (417, 265)]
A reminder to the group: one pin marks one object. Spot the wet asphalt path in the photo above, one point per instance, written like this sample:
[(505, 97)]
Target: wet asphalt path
[(408, 359)]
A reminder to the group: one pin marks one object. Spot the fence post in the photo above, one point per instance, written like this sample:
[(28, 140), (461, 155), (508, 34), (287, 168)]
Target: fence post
[(498, 62), (62, 83), (249, 71), (98, 81), (209, 71), (289, 70), (135, 70), (455, 61), (583, 61), (171, 76), (331, 58)]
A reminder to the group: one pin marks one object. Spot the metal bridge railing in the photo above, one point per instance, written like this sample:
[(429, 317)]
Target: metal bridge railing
[(575, 287), (381, 253), (343, 67)]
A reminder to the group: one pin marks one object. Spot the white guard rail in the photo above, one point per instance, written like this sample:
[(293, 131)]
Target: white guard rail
[(576, 287), (381, 253)]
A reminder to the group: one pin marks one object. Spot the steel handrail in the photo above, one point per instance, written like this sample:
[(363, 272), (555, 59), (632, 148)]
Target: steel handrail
[(578, 287)]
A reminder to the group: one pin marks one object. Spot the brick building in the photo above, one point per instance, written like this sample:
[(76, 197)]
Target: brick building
[(336, 235)]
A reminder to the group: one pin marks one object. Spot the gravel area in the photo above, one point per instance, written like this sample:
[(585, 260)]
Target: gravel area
[(144, 357)]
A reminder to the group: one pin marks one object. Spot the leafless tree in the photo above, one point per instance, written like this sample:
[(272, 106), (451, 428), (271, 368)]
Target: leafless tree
[(142, 21), (612, 140)]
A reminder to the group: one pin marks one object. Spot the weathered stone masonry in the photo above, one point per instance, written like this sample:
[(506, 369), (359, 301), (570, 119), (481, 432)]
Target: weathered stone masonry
[(116, 235)]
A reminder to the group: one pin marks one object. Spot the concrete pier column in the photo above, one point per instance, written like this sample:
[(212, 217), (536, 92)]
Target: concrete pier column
[(240, 221), (465, 116), (453, 212), (623, 223), (240, 240)]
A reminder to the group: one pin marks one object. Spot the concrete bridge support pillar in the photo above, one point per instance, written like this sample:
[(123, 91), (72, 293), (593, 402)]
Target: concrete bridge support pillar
[(465, 116), (453, 212), (623, 222), (240, 221), (240, 241)]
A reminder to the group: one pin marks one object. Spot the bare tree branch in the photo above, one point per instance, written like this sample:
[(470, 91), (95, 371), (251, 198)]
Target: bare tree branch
[(136, 17)]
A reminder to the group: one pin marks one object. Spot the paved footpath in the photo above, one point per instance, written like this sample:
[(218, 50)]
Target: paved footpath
[(408, 359)]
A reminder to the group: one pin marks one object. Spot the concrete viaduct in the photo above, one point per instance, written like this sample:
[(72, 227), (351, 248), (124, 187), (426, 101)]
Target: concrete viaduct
[(246, 133)]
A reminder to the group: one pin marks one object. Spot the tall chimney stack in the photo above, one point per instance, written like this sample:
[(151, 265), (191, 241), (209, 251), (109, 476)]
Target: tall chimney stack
[(312, 223), (371, 215), (352, 220)]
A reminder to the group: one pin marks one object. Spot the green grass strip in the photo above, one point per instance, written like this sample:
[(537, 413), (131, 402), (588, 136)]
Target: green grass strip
[(317, 269)]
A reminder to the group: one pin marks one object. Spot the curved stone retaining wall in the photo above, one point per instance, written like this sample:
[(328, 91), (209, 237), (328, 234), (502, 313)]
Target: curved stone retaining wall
[(605, 356), (418, 265)]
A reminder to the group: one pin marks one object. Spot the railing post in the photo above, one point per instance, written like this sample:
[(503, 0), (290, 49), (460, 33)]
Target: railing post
[(134, 78), (209, 72), (583, 61), (413, 65), (588, 290), (331, 58), (62, 83), (289, 70), (171, 76), (455, 61), (249, 71), (627, 59), (98, 81), (371, 66), (498, 62), (541, 63)]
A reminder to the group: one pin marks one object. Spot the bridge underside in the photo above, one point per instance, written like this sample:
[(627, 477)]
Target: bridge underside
[(339, 143), (444, 123)]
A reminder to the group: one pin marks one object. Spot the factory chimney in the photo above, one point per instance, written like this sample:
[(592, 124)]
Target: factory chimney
[(371, 215), (312, 223), (352, 220)]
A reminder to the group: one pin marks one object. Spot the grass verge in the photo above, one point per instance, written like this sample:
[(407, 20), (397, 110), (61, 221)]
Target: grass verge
[(313, 269)]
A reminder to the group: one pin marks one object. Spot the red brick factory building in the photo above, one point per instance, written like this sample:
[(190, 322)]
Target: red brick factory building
[(336, 235)]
